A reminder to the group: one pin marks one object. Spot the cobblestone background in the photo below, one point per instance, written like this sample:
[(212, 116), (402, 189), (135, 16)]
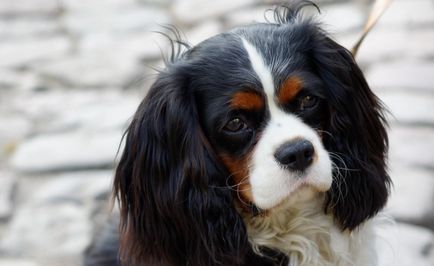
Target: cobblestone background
[(73, 72)]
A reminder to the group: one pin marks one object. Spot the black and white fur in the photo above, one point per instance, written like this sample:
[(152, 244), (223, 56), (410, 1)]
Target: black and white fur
[(179, 202)]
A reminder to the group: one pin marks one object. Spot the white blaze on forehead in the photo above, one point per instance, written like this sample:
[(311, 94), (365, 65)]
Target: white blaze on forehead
[(261, 69), (270, 182)]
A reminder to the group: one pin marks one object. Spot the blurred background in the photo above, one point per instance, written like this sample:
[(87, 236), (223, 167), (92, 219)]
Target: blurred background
[(73, 72)]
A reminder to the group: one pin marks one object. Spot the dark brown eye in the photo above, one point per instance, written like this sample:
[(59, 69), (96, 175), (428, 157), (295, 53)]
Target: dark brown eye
[(235, 125), (308, 102)]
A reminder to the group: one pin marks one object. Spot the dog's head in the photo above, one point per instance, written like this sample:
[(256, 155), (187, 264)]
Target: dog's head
[(247, 118)]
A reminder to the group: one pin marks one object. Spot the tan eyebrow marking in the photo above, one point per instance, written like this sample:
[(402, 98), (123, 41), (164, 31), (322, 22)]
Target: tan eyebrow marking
[(289, 89), (247, 100)]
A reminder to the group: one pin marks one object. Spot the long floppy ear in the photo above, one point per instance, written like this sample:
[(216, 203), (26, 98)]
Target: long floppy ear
[(357, 141), (175, 209)]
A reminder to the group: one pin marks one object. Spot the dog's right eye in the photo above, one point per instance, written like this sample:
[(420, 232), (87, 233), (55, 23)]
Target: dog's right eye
[(235, 125), (308, 102)]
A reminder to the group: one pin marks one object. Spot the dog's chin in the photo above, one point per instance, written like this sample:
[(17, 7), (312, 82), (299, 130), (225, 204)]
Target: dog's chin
[(301, 192), (304, 193)]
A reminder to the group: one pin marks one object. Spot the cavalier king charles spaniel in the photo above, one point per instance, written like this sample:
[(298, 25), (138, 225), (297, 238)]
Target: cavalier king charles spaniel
[(263, 145)]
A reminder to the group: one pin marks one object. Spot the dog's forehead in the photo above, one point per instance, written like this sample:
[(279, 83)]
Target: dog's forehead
[(269, 38), (259, 57), (283, 47), (277, 43)]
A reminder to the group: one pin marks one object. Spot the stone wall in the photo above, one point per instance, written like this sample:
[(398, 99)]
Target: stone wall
[(73, 72)]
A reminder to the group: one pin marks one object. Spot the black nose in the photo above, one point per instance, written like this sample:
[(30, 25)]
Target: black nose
[(295, 155)]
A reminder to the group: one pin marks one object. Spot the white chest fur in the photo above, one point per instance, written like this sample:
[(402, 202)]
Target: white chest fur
[(309, 237)]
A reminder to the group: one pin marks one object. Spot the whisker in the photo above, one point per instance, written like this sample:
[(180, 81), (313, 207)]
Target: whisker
[(345, 167), (326, 132), (234, 186)]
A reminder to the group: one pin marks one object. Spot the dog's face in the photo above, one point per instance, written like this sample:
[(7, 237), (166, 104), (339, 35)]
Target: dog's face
[(263, 108), (251, 117)]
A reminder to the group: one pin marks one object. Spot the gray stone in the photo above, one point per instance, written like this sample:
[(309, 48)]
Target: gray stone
[(342, 18), (100, 112), (204, 31), (13, 129), (144, 46), (47, 105), (21, 80), (9, 79), (7, 184), (81, 187), (412, 13), (411, 75), (412, 146), (69, 151), (54, 111), (83, 6), (163, 3), (37, 106), (29, 7), (419, 111), (16, 262), (193, 11), (384, 44), (404, 245), (89, 70), (246, 16), (21, 28), (412, 195), (47, 231), (23, 52), (119, 20)]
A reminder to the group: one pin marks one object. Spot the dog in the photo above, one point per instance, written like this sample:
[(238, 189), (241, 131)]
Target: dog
[(263, 145)]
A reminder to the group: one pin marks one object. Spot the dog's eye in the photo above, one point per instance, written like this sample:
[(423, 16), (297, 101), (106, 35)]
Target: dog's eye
[(308, 102), (235, 125)]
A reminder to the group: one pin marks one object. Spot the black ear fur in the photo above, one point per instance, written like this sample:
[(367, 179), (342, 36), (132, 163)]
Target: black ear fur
[(174, 208), (358, 140)]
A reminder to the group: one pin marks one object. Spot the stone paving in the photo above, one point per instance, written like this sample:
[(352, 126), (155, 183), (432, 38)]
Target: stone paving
[(73, 72)]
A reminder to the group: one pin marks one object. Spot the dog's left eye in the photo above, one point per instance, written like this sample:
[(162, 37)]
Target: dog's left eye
[(308, 102), (235, 125)]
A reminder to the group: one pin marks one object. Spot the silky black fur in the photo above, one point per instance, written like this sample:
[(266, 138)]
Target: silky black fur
[(358, 144), (175, 204), (168, 182)]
